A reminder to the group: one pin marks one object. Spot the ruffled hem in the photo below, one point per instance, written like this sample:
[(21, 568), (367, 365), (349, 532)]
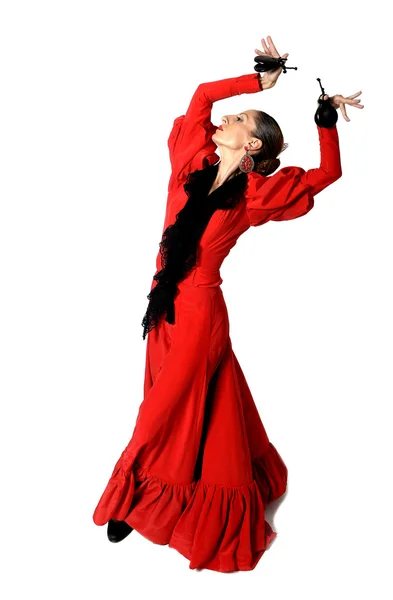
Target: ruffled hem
[(215, 527), (270, 474)]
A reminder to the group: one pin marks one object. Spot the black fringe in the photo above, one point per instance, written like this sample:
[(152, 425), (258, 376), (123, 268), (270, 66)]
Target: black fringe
[(179, 243)]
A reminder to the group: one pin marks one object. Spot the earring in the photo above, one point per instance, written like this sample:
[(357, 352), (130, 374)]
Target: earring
[(246, 163)]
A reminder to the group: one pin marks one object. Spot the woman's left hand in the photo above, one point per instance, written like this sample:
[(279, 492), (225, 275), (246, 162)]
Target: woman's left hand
[(339, 101)]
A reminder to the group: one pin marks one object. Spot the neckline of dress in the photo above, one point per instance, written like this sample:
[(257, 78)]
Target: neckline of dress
[(213, 169)]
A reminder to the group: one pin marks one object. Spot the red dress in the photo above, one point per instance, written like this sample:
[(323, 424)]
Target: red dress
[(200, 468)]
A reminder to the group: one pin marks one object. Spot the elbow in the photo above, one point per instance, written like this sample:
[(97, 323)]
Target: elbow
[(330, 178), (333, 173), (336, 168), (326, 181), (337, 174)]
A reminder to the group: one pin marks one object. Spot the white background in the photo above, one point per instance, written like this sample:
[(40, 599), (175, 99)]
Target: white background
[(89, 92)]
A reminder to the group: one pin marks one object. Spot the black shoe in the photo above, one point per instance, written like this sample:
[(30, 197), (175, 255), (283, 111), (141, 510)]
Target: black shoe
[(118, 530)]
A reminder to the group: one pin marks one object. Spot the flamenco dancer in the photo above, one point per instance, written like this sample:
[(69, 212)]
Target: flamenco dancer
[(200, 469)]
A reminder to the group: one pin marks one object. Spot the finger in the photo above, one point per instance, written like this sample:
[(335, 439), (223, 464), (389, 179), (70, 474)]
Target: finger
[(272, 46), (266, 49), (344, 112), (354, 95), (353, 102)]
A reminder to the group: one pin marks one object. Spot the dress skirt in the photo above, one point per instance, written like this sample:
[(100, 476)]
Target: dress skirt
[(199, 469)]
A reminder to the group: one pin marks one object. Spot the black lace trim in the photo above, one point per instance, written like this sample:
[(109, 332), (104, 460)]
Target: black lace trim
[(179, 243)]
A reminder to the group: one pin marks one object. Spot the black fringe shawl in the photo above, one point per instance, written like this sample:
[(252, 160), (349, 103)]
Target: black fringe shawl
[(179, 243)]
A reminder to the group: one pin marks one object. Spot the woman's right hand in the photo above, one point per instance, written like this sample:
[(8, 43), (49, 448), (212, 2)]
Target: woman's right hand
[(269, 78)]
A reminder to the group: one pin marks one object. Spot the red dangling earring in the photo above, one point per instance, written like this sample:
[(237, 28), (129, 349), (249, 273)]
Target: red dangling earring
[(246, 163)]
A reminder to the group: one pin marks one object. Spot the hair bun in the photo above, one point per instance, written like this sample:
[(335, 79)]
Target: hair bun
[(267, 166)]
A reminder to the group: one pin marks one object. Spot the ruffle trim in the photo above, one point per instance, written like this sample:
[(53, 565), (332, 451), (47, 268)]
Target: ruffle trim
[(279, 197), (215, 527)]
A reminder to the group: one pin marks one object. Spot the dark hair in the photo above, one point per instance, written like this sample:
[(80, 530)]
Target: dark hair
[(268, 130)]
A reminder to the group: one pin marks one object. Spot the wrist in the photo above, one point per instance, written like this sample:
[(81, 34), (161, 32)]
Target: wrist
[(264, 85)]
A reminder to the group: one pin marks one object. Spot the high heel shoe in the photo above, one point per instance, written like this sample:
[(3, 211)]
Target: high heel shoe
[(118, 530)]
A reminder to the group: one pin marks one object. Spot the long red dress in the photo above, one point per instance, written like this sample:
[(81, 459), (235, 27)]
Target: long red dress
[(200, 469)]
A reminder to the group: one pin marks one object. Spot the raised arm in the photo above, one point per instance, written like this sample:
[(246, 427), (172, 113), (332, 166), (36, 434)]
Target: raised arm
[(190, 140), (330, 163), (289, 193)]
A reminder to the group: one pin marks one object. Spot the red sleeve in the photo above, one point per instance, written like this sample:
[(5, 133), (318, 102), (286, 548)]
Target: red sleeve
[(289, 193), (190, 140)]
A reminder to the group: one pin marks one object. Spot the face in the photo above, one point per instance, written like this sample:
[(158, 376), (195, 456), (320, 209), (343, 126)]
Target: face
[(236, 132)]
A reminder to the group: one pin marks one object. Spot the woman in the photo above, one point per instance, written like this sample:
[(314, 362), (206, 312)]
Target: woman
[(200, 468)]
